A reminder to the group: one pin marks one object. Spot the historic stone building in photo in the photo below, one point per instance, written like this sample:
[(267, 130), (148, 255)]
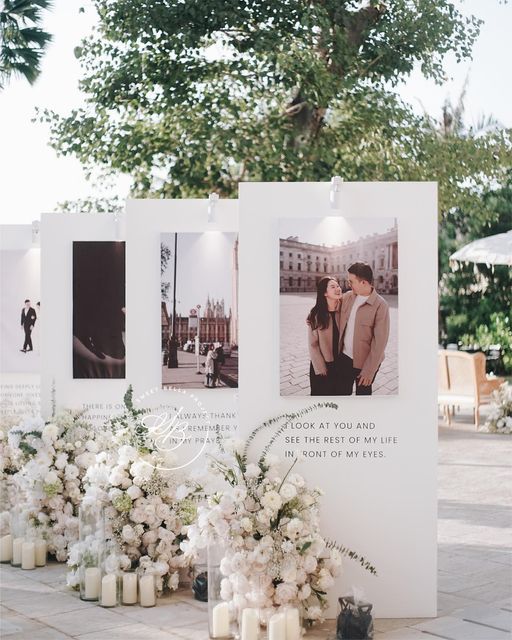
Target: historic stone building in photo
[(302, 264), (214, 324)]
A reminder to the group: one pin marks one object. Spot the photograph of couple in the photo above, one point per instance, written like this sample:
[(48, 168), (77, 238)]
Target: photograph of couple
[(20, 311), (199, 310), (339, 306)]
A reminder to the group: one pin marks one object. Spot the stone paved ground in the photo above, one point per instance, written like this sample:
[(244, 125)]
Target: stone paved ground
[(294, 349), (185, 376), (474, 568)]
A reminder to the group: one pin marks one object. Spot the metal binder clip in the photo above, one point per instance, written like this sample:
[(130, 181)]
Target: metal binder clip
[(35, 231), (213, 198), (336, 182)]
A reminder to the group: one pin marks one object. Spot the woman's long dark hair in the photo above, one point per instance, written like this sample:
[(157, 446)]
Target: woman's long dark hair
[(318, 317)]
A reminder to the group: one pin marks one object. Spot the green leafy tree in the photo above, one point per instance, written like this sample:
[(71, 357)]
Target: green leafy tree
[(189, 97), (22, 41)]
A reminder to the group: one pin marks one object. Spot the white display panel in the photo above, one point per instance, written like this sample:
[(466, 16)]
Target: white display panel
[(380, 495), (148, 223), (20, 279), (100, 397)]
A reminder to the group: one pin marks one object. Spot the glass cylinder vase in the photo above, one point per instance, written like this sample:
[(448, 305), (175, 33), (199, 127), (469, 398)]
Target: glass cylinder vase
[(18, 530), (111, 576), (220, 624), (91, 531)]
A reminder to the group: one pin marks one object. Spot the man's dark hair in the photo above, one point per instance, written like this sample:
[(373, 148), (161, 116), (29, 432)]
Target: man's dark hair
[(27, 300), (362, 270)]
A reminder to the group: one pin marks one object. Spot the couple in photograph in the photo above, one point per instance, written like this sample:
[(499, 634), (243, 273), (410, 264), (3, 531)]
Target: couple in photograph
[(215, 359), (348, 333)]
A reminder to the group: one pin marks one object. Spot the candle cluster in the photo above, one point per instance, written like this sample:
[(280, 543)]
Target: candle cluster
[(26, 553), (112, 587)]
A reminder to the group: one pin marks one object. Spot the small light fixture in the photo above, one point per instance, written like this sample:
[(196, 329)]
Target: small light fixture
[(213, 198), (35, 232), (335, 192)]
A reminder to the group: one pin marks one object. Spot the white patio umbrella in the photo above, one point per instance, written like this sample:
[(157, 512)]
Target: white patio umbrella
[(490, 251)]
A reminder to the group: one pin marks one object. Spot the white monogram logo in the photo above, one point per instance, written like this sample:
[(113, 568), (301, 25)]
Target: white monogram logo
[(169, 432)]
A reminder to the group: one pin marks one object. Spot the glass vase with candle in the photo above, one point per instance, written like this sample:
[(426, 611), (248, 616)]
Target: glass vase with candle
[(91, 531), (147, 590), (220, 624), (18, 527), (110, 595), (129, 582), (28, 550)]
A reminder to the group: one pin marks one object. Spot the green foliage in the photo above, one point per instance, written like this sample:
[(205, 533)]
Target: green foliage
[(190, 97), (498, 331), (474, 294), (22, 41)]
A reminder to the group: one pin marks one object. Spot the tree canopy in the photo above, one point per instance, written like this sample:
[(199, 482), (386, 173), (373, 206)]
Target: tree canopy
[(193, 96)]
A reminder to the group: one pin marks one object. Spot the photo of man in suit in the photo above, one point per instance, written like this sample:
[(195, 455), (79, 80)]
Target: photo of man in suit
[(364, 332), (28, 320)]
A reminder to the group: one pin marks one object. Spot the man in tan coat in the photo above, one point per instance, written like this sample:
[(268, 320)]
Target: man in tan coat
[(364, 332)]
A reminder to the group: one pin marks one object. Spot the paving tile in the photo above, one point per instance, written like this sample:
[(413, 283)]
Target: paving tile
[(491, 616), (46, 604), (175, 613), (488, 593), (389, 624), (403, 634), (42, 634), (86, 621), (128, 632)]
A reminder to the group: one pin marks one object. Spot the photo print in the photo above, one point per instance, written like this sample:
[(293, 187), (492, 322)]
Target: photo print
[(338, 285), (20, 311), (99, 310), (199, 293)]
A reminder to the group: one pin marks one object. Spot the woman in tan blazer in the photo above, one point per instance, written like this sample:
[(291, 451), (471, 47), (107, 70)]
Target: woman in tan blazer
[(323, 337)]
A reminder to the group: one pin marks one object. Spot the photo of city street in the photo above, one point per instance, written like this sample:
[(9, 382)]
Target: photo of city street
[(199, 317), (325, 248)]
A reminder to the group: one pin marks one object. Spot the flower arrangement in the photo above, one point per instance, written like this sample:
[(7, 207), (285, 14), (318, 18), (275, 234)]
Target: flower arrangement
[(500, 417), (147, 508), (56, 457), (268, 518)]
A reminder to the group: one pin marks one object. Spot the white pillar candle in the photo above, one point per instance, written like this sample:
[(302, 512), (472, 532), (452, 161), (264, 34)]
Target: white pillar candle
[(129, 588), (293, 631), (277, 627), (16, 551), (250, 624), (28, 555), (220, 620), (109, 590), (147, 591), (41, 551), (92, 583), (6, 548)]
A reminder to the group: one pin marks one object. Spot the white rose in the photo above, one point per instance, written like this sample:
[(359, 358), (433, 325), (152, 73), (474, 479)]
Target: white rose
[(246, 524), (61, 461), (71, 472), (288, 491), (51, 478), (271, 500), (252, 471), (134, 492), (305, 592), (309, 564), (128, 534), (285, 592), (90, 445)]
